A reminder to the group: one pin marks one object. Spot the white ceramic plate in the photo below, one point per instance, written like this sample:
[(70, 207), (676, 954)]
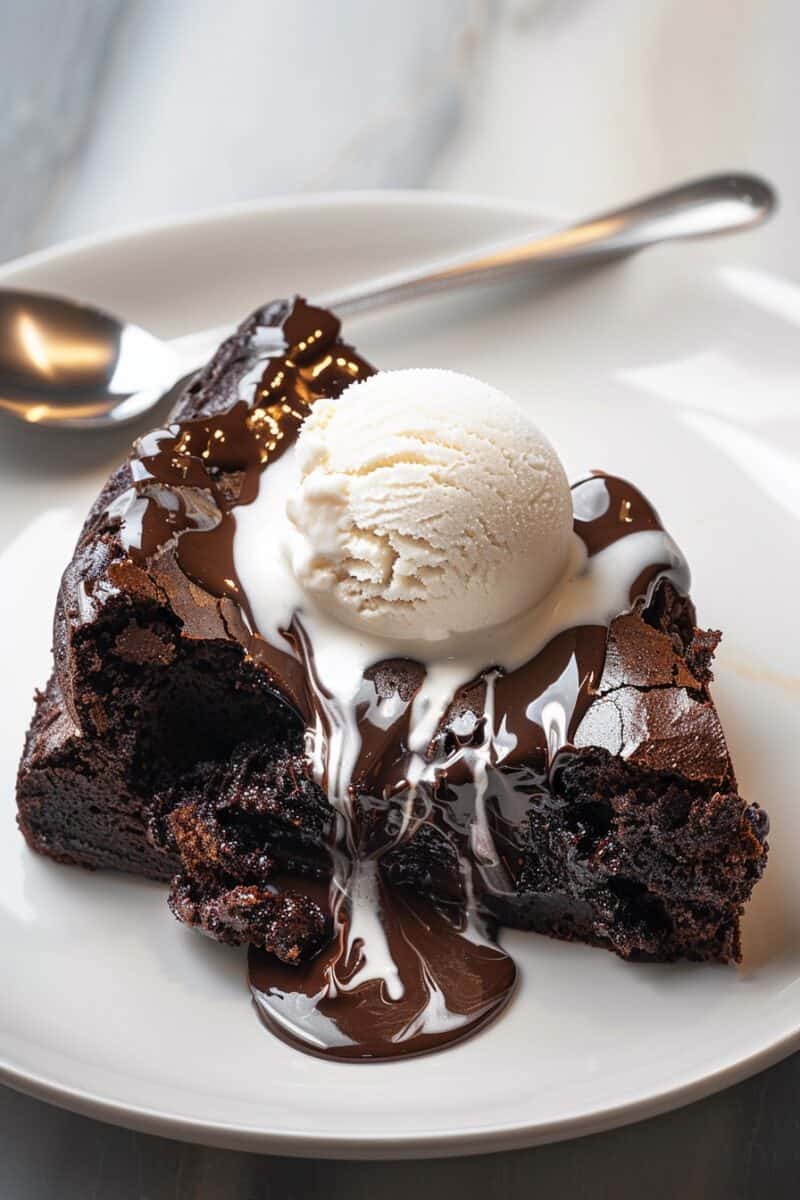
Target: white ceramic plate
[(675, 369)]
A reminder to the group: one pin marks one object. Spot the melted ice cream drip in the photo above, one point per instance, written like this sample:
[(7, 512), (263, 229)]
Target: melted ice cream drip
[(365, 950), (408, 1005)]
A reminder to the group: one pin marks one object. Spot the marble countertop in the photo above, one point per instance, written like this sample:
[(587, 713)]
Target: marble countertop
[(134, 110)]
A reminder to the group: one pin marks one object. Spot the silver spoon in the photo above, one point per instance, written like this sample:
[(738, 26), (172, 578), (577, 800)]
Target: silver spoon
[(68, 365)]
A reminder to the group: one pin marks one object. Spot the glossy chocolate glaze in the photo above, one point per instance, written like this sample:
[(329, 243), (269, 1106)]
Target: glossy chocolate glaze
[(189, 477), (187, 481)]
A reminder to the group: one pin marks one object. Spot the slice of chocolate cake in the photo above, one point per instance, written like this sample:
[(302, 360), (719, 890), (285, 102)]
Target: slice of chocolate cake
[(189, 732)]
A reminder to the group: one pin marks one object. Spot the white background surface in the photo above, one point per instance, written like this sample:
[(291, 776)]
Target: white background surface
[(564, 104)]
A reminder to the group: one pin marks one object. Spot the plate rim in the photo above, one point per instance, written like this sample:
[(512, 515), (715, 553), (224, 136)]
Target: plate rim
[(420, 1144), (319, 1143), (285, 202)]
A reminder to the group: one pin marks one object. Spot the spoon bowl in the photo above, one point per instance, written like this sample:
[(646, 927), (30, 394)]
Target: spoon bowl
[(68, 364)]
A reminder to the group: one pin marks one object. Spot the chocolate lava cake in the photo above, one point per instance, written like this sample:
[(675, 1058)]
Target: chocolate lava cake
[(169, 744)]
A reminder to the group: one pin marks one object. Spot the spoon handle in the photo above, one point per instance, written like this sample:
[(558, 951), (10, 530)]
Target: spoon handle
[(712, 205), (717, 204)]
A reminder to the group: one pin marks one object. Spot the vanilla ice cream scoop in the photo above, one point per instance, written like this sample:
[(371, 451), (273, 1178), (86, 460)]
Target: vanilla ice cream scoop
[(428, 505)]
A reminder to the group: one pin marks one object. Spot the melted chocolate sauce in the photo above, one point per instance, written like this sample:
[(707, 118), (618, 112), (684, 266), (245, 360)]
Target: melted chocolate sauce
[(438, 974), (452, 985), (189, 477)]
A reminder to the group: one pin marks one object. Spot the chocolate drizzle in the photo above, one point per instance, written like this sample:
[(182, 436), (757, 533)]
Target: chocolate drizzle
[(189, 477), (449, 975)]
